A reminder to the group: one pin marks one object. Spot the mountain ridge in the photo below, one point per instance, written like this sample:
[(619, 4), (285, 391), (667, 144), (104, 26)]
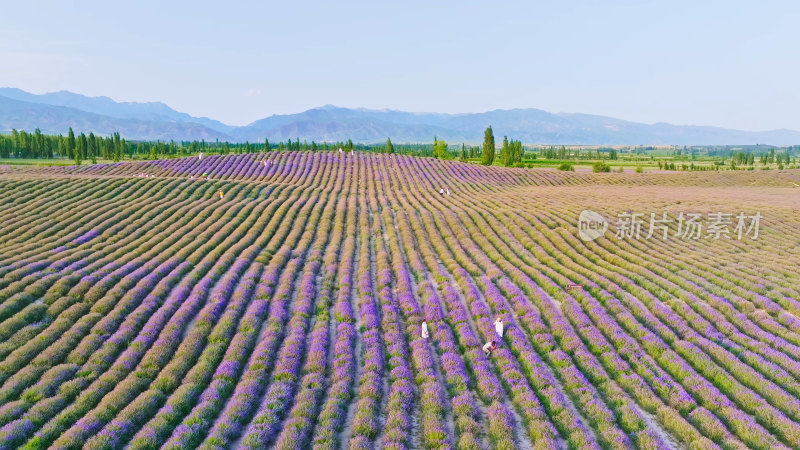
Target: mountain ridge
[(55, 112)]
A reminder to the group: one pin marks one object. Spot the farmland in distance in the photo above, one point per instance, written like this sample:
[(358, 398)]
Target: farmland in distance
[(276, 300)]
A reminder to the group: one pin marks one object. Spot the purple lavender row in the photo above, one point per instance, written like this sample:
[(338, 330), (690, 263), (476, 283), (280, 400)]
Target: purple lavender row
[(299, 425), (631, 382), (193, 428), (462, 400), (136, 412), (603, 417), (539, 426), (237, 411), (244, 166), (31, 206), (433, 403), (159, 356), (734, 420), (21, 203), (397, 428), (339, 393), (264, 426), (753, 378), (670, 421), (737, 321), (669, 416), (47, 408), (164, 365), (485, 378), (632, 422), (17, 296), (39, 286), (365, 426), (50, 354), (38, 215), (211, 399), (288, 355), (115, 269)]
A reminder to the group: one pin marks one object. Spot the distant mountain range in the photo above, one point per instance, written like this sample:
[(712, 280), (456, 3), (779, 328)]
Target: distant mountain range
[(55, 112)]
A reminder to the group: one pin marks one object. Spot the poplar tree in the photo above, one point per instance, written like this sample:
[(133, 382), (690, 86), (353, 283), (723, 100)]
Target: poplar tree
[(71, 143), (507, 157), (389, 146), (79, 149), (440, 149), (488, 147)]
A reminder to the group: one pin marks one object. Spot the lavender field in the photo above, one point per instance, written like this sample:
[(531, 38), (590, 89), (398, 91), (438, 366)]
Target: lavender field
[(276, 300)]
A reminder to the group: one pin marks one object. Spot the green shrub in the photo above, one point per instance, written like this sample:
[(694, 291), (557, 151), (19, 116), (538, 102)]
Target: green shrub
[(600, 166), (566, 167)]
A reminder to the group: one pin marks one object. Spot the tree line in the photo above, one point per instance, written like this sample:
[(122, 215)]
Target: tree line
[(82, 147)]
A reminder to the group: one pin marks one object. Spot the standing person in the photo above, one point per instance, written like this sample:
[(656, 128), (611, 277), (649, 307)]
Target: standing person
[(425, 330), (489, 347), (441, 191), (498, 326), (448, 191), (340, 149), (220, 195), (200, 156)]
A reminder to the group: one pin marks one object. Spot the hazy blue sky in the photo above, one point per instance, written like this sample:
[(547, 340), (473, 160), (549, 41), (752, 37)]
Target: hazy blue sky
[(727, 63)]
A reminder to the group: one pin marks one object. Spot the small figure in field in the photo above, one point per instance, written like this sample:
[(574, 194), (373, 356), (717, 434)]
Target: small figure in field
[(498, 326), (265, 163), (489, 347), (425, 330), (205, 174), (340, 150), (352, 152), (200, 156), (441, 191), (220, 195), (191, 178), (448, 191)]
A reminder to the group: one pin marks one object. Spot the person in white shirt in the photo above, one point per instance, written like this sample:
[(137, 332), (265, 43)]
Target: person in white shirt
[(498, 326), (425, 330), (448, 191), (489, 347), (441, 191)]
